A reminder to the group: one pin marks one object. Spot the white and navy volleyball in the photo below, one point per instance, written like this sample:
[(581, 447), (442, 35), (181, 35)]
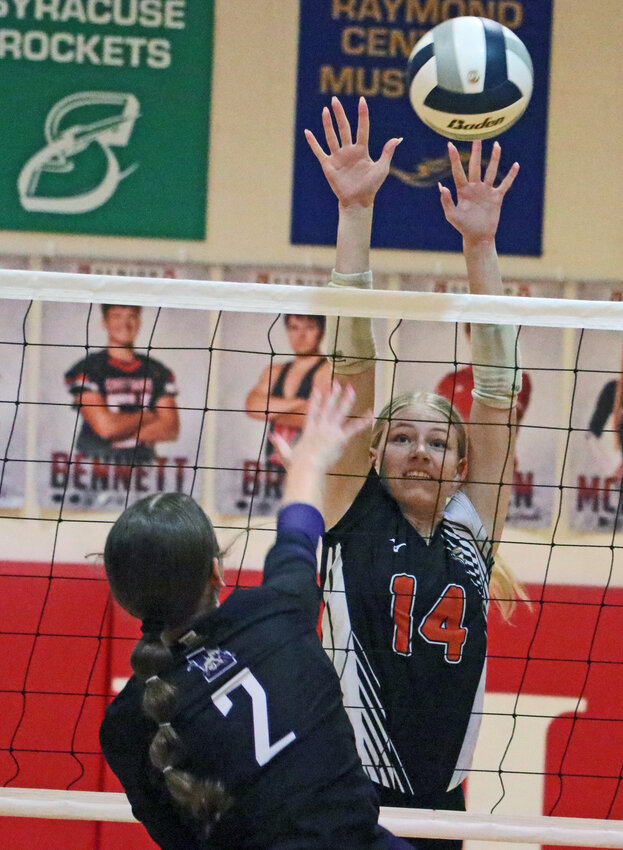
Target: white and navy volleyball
[(470, 78)]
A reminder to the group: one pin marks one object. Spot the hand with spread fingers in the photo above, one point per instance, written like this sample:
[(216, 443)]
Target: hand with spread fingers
[(328, 428), (354, 177), (476, 212)]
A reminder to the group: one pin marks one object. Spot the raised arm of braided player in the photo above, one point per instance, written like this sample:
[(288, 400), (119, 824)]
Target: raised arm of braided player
[(406, 565)]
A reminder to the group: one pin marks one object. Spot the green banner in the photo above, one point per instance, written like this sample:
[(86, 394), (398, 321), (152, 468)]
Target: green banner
[(106, 107)]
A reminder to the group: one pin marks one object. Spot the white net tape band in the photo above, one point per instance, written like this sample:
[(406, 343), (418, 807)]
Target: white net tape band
[(274, 298), (101, 806), (577, 832)]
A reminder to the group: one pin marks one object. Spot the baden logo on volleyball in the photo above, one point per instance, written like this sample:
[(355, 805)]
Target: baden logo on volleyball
[(461, 124), (470, 78)]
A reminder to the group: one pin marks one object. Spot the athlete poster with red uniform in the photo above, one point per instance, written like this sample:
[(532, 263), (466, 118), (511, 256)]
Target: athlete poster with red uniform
[(124, 390), (269, 363), (435, 356), (594, 469), (14, 322)]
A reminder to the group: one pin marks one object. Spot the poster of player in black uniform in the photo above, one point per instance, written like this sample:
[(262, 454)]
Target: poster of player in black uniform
[(13, 320), (125, 390), (127, 399)]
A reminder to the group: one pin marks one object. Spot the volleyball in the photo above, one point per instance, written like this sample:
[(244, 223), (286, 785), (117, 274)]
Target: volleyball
[(469, 78)]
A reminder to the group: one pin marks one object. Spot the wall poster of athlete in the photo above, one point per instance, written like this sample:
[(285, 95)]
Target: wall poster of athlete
[(594, 470), (125, 388), (270, 364), (538, 404), (15, 319)]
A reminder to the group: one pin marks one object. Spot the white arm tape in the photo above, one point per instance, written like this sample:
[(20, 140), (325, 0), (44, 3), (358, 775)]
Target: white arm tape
[(496, 365), (350, 340)]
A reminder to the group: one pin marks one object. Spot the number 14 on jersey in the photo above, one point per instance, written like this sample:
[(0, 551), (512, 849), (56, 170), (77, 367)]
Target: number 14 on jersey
[(443, 624)]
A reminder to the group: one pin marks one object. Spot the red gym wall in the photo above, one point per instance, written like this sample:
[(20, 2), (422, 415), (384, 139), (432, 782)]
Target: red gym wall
[(56, 687)]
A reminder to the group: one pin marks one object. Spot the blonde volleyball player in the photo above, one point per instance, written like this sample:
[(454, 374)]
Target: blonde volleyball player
[(413, 510)]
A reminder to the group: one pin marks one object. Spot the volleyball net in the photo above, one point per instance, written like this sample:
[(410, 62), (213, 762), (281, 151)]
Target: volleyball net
[(549, 761)]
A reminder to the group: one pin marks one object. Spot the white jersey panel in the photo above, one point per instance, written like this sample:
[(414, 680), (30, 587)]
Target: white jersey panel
[(360, 686)]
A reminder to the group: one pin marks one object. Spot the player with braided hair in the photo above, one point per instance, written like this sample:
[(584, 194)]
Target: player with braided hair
[(232, 733)]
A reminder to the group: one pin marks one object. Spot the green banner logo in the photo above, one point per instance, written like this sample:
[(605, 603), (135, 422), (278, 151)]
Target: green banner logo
[(110, 107)]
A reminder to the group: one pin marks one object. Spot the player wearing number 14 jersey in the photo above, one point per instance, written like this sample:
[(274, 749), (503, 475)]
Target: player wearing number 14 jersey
[(405, 625), (408, 557)]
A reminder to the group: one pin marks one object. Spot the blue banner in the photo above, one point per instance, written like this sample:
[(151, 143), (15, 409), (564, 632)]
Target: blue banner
[(350, 48)]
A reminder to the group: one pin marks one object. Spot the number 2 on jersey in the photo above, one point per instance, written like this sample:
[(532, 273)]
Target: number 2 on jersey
[(264, 750), (443, 624)]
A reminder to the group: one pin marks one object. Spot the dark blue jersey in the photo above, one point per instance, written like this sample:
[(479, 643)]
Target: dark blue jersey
[(127, 387), (260, 708), (405, 625)]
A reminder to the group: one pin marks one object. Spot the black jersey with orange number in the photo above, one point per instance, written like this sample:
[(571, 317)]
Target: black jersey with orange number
[(405, 625), (260, 709), (127, 387)]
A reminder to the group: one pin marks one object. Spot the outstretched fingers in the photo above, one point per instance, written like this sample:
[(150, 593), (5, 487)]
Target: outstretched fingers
[(458, 173), (356, 424), (314, 144), (388, 152), (329, 130), (492, 171), (476, 211), (352, 175), (494, 161), (344, 402), (475, 161), (363, 123), (509, 179), (282, 447), (446, 201), (342, 121), (332, 409), (330, 413), (338, 421), (314, 407)]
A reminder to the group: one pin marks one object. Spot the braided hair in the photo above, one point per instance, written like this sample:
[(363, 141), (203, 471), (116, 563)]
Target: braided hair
[(159, 558)]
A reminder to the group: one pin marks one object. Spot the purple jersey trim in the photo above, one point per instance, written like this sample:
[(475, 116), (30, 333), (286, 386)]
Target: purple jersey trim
[(303, 518)]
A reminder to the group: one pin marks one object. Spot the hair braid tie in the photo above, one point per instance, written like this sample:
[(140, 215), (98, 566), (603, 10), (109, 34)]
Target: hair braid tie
[(151, 629)]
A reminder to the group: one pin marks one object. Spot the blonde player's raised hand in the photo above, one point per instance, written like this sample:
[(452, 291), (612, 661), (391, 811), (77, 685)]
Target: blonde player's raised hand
[(476, 212), (350, 171)]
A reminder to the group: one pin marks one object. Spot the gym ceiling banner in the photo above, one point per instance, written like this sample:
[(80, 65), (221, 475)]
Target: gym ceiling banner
[(350, 48), (109, 103)]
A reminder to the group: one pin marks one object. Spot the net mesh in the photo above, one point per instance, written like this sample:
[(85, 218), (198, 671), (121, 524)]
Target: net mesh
[(552, 738)]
